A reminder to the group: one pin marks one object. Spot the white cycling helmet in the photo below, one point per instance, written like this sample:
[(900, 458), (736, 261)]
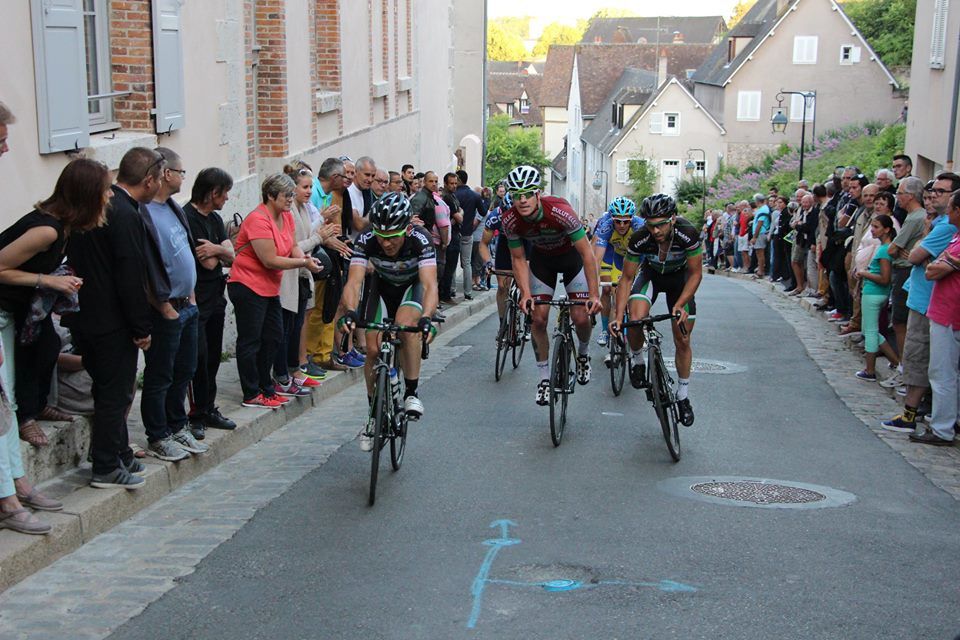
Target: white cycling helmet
[(523, 179)]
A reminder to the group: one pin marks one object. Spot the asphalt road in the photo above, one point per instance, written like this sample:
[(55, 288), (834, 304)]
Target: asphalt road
[(318, 563)]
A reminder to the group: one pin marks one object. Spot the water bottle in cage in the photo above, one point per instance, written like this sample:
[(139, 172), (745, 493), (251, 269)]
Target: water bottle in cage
[(395, 386)]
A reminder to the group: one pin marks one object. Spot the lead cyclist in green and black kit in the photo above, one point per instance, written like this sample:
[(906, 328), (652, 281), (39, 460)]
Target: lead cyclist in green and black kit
[(668, 255)]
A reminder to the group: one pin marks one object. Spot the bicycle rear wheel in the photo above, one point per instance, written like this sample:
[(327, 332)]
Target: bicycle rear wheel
[(503, 344), (559, 383), (618, 362), (663, 401), (519, 331), (381, 427)]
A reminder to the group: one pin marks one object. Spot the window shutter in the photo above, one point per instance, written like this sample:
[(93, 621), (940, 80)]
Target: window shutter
[(938, 41), (168, 65), (805, 50), (656, 123), (623, 171), (748, 105), (796, 108), (855, 55), (63, 117)]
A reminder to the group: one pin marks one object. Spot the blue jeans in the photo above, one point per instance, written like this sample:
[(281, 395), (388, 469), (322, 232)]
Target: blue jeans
[(170, 363)]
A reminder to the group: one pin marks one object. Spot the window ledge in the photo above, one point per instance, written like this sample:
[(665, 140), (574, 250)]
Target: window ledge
[(380, 88), (109, 148), (404, 83), (327, 101)]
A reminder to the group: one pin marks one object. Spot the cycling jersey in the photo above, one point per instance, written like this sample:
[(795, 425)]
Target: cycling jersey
[(552, 231), (608, 236), (402, 269), (684, 243)]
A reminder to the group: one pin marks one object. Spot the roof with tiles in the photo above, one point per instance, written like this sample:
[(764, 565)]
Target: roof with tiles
[(634, 87), (692, 29)]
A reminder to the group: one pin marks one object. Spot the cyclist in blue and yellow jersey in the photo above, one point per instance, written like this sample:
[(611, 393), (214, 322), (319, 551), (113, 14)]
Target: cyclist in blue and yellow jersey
[(610, 246), (667, 253)]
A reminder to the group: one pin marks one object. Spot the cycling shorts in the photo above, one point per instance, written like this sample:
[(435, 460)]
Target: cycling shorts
[(612, 269), (382, 300), (501, 258), (650, 283), (544, 270)]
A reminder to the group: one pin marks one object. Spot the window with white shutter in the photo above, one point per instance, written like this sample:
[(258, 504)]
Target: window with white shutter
[(59, 63), (796, 108), (656, 123), (748, 105), (168, 65), (671, 124), (623, 171), (938, 40), (805, 50)]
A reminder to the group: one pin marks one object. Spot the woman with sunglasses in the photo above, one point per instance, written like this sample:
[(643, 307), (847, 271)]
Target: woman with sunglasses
[(266, 247)]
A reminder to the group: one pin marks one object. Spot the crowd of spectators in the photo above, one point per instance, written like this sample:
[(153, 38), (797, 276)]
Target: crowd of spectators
[(109, 267), (882, 259)]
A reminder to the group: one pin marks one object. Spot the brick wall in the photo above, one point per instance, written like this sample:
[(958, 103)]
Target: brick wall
[(272, 117), (131, 57), (328, 49)]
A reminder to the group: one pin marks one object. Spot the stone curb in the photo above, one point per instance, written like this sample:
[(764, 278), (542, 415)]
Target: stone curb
[(89, 512)]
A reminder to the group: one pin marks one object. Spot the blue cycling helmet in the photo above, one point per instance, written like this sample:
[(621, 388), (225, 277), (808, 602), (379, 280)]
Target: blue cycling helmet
[(622, 207)]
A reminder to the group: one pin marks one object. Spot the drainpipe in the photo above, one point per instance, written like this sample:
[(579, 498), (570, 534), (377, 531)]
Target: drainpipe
[(483, 113), (951, 139)]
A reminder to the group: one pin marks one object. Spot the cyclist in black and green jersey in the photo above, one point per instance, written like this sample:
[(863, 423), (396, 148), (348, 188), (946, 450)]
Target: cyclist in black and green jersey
[(666, 252)]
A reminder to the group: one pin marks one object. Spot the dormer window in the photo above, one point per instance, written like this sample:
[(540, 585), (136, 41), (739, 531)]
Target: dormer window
[(524, 103)]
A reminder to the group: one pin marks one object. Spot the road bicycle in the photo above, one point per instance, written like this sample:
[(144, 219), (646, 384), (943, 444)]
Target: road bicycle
[(659, 383), (513, 331), (388, 419), (562, 367), (617, 361)]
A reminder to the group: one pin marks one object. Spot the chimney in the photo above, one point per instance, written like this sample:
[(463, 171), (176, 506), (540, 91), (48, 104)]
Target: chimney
[(662, 65), (620, 36), (677, 38)]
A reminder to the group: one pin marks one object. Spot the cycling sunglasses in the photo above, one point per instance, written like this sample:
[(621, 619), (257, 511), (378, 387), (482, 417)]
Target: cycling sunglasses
[(654, 225), (393, 234)]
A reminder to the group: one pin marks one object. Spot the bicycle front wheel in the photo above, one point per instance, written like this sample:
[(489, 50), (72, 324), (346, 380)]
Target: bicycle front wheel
[(663, 401), (398, 440), (519, 331), (618, 362), (381, 421), (559, 383), (503, 344)]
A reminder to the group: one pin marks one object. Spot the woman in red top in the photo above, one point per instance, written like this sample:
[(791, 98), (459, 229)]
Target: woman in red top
[(265, 248)]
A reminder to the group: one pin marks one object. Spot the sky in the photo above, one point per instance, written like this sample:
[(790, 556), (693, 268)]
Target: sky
[(570, 11)]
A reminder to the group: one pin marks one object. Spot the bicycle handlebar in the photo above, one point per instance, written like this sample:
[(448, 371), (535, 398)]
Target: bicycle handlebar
[(562, 302), (649, 320), (389, 326)]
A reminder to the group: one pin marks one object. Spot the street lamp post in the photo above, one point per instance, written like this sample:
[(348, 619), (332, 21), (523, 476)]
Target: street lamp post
[(690, 166), (779, 120), (597, 183)]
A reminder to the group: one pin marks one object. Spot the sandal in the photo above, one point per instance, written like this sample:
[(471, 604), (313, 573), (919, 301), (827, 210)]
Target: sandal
[(31, 525), (40, 502), (52, 414), (477, 287), (31, 432)]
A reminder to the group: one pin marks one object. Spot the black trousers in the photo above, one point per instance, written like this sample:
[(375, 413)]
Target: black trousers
[(259, 329), (111, 361), (203, 390), (35, 364), (450, 270)]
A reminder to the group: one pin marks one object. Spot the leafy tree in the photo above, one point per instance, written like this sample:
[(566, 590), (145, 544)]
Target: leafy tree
[(504, 46), (509, 146), (643, 176), (887, 25), (556, 33), (739, 11), (514, 25)]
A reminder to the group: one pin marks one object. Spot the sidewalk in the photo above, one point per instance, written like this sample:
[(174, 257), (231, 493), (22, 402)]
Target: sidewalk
[(839, 358), (62, 472)]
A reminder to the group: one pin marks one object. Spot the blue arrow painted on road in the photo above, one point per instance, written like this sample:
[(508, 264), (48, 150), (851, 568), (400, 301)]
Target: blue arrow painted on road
[(480, 582)]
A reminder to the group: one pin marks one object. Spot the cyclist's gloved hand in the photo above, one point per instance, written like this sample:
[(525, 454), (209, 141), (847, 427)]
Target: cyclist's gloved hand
[(348, 321), (425, 324)]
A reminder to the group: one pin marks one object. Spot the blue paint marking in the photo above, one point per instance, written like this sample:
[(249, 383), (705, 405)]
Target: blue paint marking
[(556, 585), (480, 582)]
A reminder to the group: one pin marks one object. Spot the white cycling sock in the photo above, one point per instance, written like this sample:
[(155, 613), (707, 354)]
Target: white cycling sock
[(544, 369), (683, 385), (583, 348)]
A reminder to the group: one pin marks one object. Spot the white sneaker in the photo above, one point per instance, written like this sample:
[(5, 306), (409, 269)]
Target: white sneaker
[(413, 407), (892, 381), (186, 440), (583, 369), (366, 443), (902, 390), (602, 339), (543, 393)]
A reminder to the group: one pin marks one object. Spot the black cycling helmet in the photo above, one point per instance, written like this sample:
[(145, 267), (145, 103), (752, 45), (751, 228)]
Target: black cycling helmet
[(390, 214), (659, 205)]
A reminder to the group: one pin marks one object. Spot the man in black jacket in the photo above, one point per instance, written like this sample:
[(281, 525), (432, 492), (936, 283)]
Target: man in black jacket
[(115, 314)]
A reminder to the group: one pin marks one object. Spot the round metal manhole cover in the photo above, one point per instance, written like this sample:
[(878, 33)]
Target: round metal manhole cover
[(756, 492), (709, 366)]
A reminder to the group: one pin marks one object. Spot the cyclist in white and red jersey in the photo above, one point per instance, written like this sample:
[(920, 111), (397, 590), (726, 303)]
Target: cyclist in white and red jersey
[(559, 246)]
